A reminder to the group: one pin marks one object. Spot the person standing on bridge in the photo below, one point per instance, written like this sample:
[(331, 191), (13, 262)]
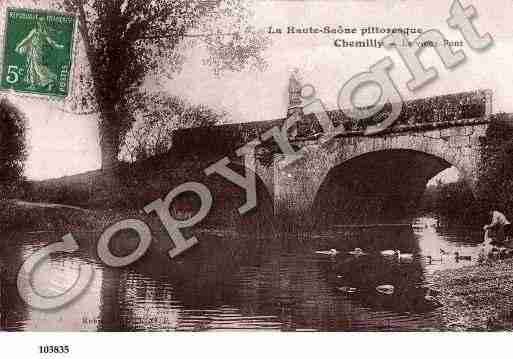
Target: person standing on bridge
[(501, 224)]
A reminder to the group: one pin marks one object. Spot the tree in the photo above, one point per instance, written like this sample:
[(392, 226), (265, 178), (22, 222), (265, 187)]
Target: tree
[(495, 176), (152, 133), (126, 40), (13, 151)]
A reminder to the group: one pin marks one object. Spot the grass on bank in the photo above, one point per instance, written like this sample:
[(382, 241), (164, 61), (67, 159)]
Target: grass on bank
[(22, 216), (477, 297)]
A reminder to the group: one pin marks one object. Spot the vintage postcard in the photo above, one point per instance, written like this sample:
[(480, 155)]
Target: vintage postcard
[(341, 166)]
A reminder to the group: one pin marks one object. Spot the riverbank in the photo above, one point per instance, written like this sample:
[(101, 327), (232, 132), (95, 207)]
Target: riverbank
[(478, 297), (20, 218), (24, 216)]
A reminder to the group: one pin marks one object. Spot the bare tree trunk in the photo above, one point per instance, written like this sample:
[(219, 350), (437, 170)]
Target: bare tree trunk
[(109, 186), (109, 136), (109, 146)]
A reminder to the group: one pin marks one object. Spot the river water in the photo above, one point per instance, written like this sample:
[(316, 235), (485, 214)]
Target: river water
[(237, 282)]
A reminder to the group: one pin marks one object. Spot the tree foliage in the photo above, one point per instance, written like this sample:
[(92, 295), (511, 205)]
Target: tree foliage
[(495, 185), (127, 40), (13, 151), (152, 133), (453, 202)]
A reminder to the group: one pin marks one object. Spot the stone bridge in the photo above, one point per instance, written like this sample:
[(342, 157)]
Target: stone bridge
[(353, 176), (389, 171)]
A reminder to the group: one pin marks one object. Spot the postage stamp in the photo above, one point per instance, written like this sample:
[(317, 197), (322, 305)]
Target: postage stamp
[(38, 52)]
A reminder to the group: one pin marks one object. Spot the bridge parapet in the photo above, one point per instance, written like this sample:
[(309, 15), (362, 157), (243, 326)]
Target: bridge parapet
[(413, 128), (426, 113), (460, 109)]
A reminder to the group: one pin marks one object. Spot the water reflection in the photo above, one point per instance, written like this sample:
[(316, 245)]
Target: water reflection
[(50, 278), (229, 282), (457, 238)]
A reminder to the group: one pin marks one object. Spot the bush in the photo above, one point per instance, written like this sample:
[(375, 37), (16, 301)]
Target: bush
[(495, 185), (13, 152), (495, 179), (453, 203)]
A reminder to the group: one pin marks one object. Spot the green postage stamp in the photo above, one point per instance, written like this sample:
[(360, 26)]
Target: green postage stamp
[(38, 51)]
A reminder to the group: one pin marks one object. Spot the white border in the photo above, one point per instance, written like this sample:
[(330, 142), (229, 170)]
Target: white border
[(258, 345)]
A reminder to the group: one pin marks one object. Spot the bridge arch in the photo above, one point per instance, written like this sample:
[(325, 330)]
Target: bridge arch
[(427, 152), (384, 185)]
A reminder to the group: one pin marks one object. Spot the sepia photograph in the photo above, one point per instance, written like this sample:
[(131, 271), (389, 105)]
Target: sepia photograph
[(255, 165)]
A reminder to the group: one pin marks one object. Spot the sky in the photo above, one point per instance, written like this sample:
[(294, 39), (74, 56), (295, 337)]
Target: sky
[(63, 144)]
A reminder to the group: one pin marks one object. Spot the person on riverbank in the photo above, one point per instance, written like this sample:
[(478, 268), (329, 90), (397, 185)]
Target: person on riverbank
[(502, 226)]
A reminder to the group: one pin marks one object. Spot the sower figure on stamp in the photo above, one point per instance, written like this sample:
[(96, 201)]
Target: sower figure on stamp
[(501, 225), (37, 74)]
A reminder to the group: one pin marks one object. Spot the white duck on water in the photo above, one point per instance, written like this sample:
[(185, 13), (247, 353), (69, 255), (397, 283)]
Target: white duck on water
[(388, 253), (397, 253), (404, 256), (357, 252), (347, 290), (331, 252)]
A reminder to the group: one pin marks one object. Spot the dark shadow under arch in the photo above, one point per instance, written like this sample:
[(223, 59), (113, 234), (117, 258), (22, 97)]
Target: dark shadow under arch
[(376, 187)]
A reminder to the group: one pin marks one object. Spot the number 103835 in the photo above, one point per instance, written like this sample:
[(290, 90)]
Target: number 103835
[(54, 349)]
